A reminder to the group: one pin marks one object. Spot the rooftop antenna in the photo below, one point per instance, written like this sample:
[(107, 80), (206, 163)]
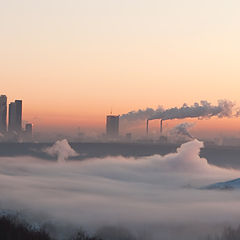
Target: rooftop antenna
[(111, 111)]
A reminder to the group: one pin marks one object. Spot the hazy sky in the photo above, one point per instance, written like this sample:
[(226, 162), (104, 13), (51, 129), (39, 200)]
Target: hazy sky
[(72, 61)]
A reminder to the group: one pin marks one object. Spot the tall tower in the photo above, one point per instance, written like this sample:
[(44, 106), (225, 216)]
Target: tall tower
[(112, 126), (18, 115), (15, 116), (12, 117), (3, 113)]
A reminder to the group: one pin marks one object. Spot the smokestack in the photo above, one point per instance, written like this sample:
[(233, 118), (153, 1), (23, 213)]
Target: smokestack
[(147, 127), (161, 126)]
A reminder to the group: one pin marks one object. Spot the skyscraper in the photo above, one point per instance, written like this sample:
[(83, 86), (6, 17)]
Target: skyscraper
[(112, 126), (18, 115), (12, 117), (15, 116), (3, 113)]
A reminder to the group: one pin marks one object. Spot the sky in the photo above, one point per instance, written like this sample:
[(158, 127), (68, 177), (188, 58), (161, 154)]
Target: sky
[(73, 61)]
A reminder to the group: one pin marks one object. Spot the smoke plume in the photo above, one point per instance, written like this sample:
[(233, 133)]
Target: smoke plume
[(141, 114), (62, 150), (182, 130), (204, 109)]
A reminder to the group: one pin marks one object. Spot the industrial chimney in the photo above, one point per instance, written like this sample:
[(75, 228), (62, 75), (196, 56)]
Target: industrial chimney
[(147, 127), (161, 126)]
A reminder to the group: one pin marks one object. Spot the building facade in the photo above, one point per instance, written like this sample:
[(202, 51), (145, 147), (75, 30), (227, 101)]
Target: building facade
[(18, 115), (15, 116), (3, 114), (112, 126)]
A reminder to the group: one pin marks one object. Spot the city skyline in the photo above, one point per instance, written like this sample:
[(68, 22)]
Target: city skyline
[(11, 124), (225, 127), (82, 59)]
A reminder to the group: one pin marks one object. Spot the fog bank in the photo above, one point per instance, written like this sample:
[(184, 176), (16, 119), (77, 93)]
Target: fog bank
[(159, 195)]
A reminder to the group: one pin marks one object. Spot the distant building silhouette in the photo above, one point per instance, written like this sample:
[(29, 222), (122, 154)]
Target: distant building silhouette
[(112, 126), (28, 131), (18, 115), (15, 116), (12, 117), (128, 136), (3, 114)]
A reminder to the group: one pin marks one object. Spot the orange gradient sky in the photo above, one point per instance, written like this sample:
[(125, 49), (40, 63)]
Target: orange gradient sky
[(72, 61)]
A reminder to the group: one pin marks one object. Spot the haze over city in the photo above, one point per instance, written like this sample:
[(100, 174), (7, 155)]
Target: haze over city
[(71, 63), (119, 120)]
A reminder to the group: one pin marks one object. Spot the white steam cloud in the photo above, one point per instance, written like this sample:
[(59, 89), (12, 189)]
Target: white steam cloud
[(62, 150), (157, 197)]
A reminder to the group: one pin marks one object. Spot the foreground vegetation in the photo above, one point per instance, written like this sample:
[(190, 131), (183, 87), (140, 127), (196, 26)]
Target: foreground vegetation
[(229, 233), (11, 228)]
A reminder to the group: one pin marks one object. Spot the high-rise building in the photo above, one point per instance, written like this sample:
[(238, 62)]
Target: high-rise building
[(3, 113), (15, 116), (18, 115), (112, 126), (12, 117)]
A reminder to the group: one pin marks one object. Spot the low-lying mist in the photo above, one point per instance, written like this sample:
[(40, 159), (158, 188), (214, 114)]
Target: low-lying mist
[(157, 197)]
